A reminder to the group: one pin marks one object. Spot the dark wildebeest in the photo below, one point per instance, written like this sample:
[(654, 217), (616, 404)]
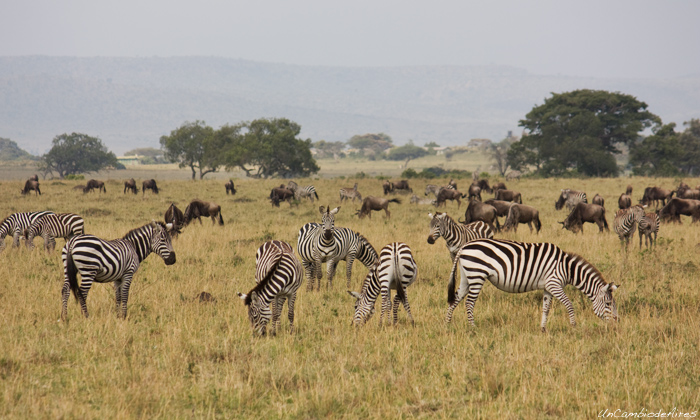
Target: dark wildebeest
[(484, 185), (684, 191), (230, 188), (585, 213), (520, 213), (131, 185), (280, 194), (198, 208), (175, 216), (508, 195), (31, 185), (449, 194), (676, 207), (628, 191), (402, 186), (150, 184), (370, 204), (624, 202), (570, 198), (655, 194), (499, 186), (598, 200), (481, 211), (502, 207), (34, 177), (94, 184), (388, 187), (474, 192)]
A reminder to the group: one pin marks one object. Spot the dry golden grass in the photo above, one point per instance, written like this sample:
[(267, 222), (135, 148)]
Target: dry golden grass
[(175, 357)]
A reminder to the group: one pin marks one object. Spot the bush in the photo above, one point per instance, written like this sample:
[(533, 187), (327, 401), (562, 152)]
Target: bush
[(409, 173), (360, 175), (74, 177), (436, 172)]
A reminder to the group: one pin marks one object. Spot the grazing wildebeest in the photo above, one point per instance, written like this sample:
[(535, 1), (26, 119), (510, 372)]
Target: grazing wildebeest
[(94, 184), (401, 186), (499, 186), (481, 211), (370, 204), (388, 187), (150, 184), (31, 185), (449, 194), (131, 185), (34, 177), (176, 218), (676, 207), (348, 193), (570, 198), (282, 193), (628, 191), (474, 192), (684, 191), (521, 213), (417, 200), (655, 194), (598, 200), (502, 207), (230, 187), (508, 195), (198, 208), (484, 185), (624, 202), (513, 175), (585, 213)]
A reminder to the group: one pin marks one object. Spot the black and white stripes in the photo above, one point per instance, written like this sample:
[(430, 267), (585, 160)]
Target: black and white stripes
[(456, 234), (52, 226), (15, 225), (625, 223), (316, 245)]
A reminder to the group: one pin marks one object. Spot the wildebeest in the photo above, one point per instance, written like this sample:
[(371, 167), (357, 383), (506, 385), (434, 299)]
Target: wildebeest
[(585, 213), (570, 198), (599, 200), (34, 177), (521, 213), (484, 185), (94, 184), (370, 204), (481, 211), (684, 191), (449, 194), (502, 207), (230, 187), (508, 195), (655, 194), (676, 207), (31, 185), (282, 193), (401, 186), (499, 186), (176, 218), (474, 192), (198, 208), (628, 191), (388, 187), (624, 202), (131, 185), (149, 184)]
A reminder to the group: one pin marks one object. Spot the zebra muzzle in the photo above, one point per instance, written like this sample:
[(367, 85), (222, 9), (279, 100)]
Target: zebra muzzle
[(170, 260), (431, 240)]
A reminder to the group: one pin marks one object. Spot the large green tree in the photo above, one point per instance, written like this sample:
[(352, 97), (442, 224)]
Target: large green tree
[(657, 154), (76, 153), (406, 153), (375, 143), (194, 145), (580, 131)]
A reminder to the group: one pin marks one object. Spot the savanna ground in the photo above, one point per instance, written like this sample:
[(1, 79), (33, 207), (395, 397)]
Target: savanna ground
[(177, 357)]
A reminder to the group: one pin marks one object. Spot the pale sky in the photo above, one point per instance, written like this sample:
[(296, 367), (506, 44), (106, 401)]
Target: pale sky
[(608, 38)]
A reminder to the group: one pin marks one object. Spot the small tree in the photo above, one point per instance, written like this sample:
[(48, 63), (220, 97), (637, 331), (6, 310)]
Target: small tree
[(377, 143), (76, 153), (193, 145), (406, 153)]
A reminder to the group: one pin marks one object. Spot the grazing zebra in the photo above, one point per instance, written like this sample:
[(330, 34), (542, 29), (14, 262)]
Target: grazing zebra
[(15, 225), (396, 270), (647, 225), (625, 223), (456, 234), (278, 274), (52, 226), (308, 191), (570, 198), (115, 261), (422, 201), (518, 267), (316, 245), (351, 246), (348, 193)]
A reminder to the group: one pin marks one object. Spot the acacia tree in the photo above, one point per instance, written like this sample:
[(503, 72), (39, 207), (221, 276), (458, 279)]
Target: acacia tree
[(193, 145), (376, 143), (406, 153), (76, 153)]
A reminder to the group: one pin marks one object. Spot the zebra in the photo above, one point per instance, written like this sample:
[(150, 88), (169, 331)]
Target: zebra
[(518, 267), (308, 191), (396, 269), (647, 225), (15, 225), (278, 274), (52, 226), (456, 234), (348, 193), (625, 223), (316, 245), (435, 189), (115, 261), (570, 198), (351, 246)]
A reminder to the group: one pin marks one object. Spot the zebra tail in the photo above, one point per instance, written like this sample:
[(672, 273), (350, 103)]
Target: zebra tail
[(221, 219), (451, 285), (395, 200), (316, 194), (72, 273)]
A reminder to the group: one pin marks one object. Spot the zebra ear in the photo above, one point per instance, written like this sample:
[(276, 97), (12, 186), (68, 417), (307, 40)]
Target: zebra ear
[(354, 294), (613, 287), (335, 210), (242, 296), (430, 215), (169, 226)]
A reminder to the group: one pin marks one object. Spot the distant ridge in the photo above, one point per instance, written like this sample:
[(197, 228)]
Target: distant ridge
[(131, 102)]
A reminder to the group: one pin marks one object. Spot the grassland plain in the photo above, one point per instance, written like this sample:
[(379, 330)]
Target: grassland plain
[(176, 357)]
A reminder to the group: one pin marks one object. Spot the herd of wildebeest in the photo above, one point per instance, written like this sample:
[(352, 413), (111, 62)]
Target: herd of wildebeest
[(279, 271)]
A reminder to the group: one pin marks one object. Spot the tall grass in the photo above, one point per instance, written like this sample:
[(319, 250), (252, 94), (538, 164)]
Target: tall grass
[(177, 357)]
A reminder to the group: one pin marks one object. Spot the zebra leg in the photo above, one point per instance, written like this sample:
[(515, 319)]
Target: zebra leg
[(406, 306), (50, 244), (386, 304), (546, 304), (290, 311), (348, 267), (118, 294), (15, 239), (309, 270), (85, 285), (395, 308), (557, 291), (126, 283), (330, 267), (474, 290), (278, 303)]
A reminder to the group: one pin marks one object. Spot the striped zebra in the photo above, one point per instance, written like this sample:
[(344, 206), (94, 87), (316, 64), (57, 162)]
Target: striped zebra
[(308, 191), (348, 193), (15, 225), (625, 223), (351, 246), (518, 267), (456, 234), (648, 225), (52, 226), (570, 198), (278, 274), (316, 245), (98, 260), (396, 270), (435, 189)]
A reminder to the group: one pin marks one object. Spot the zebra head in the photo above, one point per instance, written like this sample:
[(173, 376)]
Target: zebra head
[(161, 242), (435, 226), (259, 314), (361, 314), (328, 221), (604, 304)]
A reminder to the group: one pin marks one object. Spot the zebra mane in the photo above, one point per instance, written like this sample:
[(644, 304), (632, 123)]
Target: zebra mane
[(132, 232), (579, 260), (260, 286)]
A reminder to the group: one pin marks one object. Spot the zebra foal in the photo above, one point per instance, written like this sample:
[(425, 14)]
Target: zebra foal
[(518, 267), (350, 193), (16, 224), (52, 226), (648, 225), (456, 234), (625, 223), (102, 261), (278, 274), (308, 191), (316, 244), (396, 269)]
